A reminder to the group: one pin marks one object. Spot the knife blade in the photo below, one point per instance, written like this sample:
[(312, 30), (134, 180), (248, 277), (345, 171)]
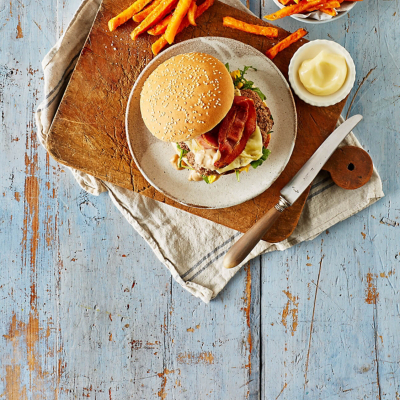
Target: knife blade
[(300, 182), (290, 193)]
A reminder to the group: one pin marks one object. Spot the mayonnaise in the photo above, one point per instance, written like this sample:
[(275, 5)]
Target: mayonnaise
[(324, 74), (206, 158), (195, 176)]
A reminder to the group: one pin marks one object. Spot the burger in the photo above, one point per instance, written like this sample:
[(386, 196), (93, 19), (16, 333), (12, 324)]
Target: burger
[(217, 120)]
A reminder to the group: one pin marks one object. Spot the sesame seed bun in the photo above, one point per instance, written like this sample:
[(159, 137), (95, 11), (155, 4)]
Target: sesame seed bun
[(186, 96)]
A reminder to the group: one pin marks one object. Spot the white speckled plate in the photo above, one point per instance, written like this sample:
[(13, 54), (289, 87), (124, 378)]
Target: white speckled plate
[(152, 155)]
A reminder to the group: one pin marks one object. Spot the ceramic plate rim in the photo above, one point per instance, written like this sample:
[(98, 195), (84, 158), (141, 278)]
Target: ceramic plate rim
[(175, 49)]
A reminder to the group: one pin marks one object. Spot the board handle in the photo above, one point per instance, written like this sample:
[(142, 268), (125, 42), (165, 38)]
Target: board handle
[(350, 167)]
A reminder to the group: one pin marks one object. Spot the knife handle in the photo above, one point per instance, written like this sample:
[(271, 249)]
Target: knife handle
[(241, 249)]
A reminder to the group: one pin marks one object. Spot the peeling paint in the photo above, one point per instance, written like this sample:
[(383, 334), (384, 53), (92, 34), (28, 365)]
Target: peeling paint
[(40, 28), (14, 391), (193, 329), (386, 275), (20, 34), (371, 292), (293, 312), (283, 388), (206, 357), (32, 339), (26, 336), (49, 234), (31, 217), (31, 209), (138, 344), (246, 309), (162, 392)]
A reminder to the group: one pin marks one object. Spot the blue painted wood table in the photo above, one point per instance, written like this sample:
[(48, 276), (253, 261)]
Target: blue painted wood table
[(87, 311)]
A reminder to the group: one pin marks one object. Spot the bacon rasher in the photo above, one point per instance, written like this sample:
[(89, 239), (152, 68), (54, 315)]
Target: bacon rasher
[(235, 130), (210, 139)]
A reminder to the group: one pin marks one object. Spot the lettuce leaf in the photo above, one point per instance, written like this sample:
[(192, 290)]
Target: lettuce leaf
[(257, 163), (182, 153), (237, 175), (246, 84)]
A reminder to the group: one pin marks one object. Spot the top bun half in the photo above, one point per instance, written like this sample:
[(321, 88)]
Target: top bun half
[(186, 96)]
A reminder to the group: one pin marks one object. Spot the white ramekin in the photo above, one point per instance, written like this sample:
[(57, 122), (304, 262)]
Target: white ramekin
[(310, 50)]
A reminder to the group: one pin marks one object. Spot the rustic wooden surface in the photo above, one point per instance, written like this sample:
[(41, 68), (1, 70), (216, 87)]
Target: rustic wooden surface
[(88, 311), (88, 131)]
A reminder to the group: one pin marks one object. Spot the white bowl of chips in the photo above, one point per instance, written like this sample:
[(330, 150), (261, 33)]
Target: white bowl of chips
[(320, 17)]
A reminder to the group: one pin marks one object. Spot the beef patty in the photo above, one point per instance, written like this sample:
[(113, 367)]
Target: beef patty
[(264, 117), (184, 146), (198, 168), (190, 158)]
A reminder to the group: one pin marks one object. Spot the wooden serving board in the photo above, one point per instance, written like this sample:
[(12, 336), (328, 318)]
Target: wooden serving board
[(88, 131)]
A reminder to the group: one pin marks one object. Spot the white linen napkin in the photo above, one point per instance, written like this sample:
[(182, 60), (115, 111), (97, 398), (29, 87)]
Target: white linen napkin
[(195, 264)]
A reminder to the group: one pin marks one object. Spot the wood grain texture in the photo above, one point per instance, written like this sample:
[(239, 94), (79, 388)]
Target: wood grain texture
[(320, 320), (88, 131)]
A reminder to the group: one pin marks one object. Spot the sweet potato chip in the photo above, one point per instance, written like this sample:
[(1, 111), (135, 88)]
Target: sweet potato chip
[(331, 4), (179, 13), (329, 11), (245, 27), (159, 44), (294, 37), (294, 9), (121, 18), (139, 17), (161, 27), (204, 7), (192, 13), (328, 4), (154, 17)]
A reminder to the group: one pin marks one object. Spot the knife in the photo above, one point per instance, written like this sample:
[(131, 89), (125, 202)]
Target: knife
[(289, 194)]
